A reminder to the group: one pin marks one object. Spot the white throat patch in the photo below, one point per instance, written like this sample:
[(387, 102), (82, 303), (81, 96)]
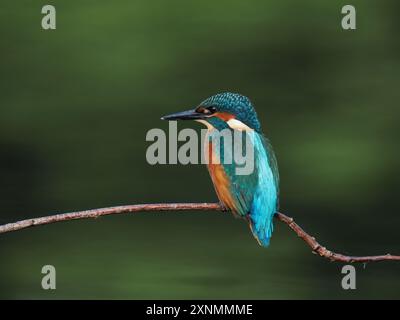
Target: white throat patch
[(238, 125)]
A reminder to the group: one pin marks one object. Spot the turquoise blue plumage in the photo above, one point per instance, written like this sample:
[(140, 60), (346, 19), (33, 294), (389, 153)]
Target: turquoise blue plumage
[(252, 196), (256, 194)]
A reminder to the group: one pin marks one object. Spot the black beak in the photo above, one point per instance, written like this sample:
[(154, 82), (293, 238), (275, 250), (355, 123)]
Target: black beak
[(185, 115)]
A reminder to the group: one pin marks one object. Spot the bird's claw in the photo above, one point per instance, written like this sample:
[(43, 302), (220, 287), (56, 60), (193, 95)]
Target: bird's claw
[(223, 208)]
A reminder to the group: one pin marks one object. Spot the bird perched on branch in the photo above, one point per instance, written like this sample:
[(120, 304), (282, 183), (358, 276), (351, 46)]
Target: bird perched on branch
[(252, 196)]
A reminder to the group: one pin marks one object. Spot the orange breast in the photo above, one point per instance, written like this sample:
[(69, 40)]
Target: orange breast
[(220, 180)]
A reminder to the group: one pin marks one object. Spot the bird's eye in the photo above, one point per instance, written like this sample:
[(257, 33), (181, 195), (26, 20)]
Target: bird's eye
[(212, 109)]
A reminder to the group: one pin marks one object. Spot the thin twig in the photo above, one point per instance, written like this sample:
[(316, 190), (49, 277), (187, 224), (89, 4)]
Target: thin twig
[(95, 213)]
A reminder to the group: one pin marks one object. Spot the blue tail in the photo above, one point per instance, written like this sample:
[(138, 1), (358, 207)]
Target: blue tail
[(262, 230)]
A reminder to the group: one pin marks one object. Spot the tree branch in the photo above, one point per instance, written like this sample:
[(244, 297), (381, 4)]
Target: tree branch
[(95, 213)]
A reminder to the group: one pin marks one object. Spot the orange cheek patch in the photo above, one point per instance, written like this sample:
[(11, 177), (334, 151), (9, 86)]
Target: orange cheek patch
[(224, 116)]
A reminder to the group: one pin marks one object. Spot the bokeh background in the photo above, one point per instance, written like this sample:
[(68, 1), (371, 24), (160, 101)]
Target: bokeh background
[(75, 106)]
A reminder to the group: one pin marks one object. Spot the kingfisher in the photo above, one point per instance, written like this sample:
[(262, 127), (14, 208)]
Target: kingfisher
[(254, 196)]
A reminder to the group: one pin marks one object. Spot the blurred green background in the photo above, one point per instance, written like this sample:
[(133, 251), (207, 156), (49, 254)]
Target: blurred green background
[(76, 104)]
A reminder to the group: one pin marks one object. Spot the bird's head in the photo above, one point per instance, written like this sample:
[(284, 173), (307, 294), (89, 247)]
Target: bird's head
[(222, 110)]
